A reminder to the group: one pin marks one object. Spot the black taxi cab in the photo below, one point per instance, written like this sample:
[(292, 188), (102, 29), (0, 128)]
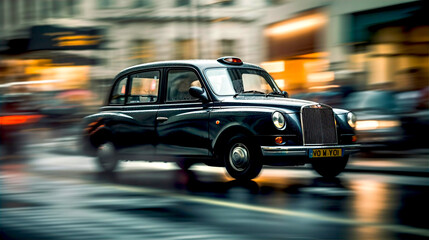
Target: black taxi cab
[(220, 112)]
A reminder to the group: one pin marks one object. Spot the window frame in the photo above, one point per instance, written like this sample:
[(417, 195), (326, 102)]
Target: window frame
[(165, 89), (129, 83), (117, 81)]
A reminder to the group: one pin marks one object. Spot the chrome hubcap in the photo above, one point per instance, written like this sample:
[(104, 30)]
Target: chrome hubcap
[(239, 157)]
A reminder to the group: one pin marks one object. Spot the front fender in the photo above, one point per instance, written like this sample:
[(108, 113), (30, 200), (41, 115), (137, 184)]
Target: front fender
[(250, 121)]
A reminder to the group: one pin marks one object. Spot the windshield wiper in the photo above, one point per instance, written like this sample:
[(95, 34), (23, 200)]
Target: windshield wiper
[(250, 91)]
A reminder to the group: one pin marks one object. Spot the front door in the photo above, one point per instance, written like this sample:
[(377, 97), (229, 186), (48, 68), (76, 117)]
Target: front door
[(182, 121)]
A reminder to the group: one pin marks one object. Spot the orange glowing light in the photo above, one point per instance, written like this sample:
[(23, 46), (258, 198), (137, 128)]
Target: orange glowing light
[(217, 122), (76, 37), (77, 43), (278, 140), (354, 138), (18, 119), (297, 24)]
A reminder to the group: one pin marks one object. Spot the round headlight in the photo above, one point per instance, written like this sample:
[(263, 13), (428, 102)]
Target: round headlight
[(351, 119), (279, 120)]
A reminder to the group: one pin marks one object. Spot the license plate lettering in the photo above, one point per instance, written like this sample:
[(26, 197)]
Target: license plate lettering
[(330, 152)]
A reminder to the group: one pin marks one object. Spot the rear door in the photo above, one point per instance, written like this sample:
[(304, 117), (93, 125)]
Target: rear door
[(182, 121), (137, 129)]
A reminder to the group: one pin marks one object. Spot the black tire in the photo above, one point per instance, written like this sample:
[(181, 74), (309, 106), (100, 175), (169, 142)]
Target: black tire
[(330, 167), (106, 157), (242, 158)]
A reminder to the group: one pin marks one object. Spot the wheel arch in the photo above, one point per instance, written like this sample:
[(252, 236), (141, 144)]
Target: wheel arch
[(225, 135), (99, 136)]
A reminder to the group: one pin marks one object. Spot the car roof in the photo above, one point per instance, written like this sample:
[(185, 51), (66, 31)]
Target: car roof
[(200, 64)]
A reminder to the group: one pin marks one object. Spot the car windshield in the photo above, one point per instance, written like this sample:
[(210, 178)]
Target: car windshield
[(234, 81)]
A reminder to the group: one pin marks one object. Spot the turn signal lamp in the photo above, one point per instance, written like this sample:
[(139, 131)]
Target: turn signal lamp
[(230, 60), (279, 140)]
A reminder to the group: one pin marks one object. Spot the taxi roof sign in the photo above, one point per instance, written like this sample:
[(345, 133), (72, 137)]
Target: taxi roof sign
[(230, 60)]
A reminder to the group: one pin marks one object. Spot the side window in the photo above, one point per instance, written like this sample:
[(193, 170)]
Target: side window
[(178, 84), (118, 94), (144, 87)]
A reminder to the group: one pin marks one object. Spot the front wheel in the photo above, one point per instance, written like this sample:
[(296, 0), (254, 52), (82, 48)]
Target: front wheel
[(242, 158), (106, 157), (330, 167)]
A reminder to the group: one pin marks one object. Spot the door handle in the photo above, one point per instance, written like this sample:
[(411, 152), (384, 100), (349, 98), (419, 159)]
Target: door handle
[(161, 119)]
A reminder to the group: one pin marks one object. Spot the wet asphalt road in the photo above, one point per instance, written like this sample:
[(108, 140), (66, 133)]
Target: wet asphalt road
[(54, 196)]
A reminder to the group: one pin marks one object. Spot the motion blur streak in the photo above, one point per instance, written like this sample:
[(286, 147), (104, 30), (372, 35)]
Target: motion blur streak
[(19, 119), (269, 210)]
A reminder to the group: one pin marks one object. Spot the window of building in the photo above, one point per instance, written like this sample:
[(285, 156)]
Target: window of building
[(276, 2), (45, 9), (226, 3), (118, 93), (14, 12), (142, 51), (227, 47), (72, 7), (2, 14), (57, 8), (29, 9), (104, 4), (179, 82), (185, 49), (144, 87), (142, 3), (182, 3)]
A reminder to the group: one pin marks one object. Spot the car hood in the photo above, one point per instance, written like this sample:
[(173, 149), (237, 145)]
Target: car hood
[(289, 105)]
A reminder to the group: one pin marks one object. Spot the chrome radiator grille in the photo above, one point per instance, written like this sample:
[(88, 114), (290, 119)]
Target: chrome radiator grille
[(318, 125)]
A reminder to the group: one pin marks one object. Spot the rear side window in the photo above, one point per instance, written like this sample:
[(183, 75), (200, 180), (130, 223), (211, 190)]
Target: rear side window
[(144, 87), (118, 93)]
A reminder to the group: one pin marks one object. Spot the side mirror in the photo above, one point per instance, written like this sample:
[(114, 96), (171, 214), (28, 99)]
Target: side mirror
[(199, 93), (285, 94)]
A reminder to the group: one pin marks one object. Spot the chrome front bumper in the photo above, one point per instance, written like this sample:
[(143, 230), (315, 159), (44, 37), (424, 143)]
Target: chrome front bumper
[(278, 151)]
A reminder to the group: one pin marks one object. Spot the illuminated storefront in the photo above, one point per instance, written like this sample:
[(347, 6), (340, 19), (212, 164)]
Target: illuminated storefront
[(53, 58), (341, 46), (296, 60), (392, 46)]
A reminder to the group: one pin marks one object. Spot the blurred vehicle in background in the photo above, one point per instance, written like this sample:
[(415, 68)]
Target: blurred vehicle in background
[(382, 120), (16, 113), (385, 119), (414, 112), (65, 107)]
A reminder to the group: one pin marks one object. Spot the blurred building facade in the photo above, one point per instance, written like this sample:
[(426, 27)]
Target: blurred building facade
[(307, 45), (83, 44), (320, 45)]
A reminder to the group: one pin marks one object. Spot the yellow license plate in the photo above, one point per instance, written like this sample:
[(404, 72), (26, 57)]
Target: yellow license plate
[(329, 152)]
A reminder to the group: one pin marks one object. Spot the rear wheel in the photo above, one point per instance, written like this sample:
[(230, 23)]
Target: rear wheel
[(330, 167), (106, 157), (242, 158)]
